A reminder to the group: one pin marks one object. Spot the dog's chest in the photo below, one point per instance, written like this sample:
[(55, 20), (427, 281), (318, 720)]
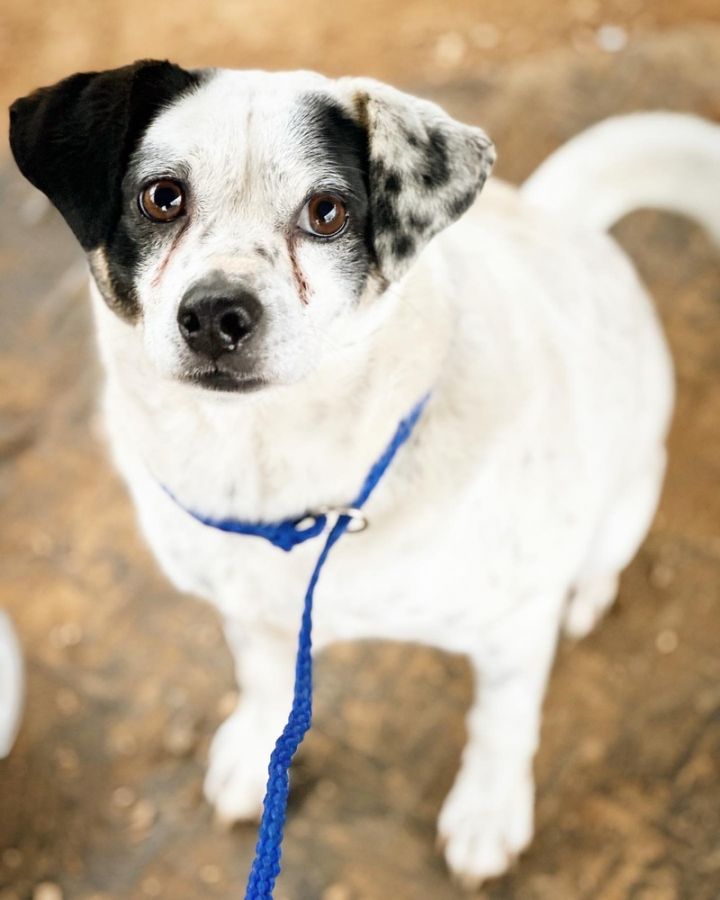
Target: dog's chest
[(442, 556)]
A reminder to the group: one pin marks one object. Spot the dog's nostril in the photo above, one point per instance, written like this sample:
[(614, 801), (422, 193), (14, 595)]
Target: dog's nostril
[(190, 322), (233, 326)]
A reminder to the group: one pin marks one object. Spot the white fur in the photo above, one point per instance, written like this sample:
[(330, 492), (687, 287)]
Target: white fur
[(530, 483)]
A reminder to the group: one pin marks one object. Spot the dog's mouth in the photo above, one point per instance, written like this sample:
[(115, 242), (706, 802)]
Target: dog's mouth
[(229, 382)]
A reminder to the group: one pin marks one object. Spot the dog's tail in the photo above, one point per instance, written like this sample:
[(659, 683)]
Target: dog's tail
[(643, 160)]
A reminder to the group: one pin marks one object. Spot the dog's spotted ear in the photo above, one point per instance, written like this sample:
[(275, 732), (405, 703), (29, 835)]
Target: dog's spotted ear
[(73, 140), (425, 168)]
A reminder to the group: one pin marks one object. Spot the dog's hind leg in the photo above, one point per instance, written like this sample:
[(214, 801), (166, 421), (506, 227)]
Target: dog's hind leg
[(617, 540), (238, 766), (487, 818)]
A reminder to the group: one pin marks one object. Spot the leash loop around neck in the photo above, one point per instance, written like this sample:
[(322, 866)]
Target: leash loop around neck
[(286, 535)]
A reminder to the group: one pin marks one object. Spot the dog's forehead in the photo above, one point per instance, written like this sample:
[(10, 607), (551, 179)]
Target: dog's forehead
[(272, 128)]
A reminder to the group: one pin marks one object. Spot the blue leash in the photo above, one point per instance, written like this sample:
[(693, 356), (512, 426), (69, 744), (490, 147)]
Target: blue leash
[(286, 535)]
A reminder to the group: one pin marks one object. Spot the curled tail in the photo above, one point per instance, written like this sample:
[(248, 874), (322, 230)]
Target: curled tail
[(653, 159)]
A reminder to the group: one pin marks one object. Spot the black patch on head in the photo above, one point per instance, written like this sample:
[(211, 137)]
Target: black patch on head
[(74, 140), (340, 145), (134, 238)]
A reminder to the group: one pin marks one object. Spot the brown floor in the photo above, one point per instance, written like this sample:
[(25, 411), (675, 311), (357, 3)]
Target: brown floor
[(127, 681), (406, 41)]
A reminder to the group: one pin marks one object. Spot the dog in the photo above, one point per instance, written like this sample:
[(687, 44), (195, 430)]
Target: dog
[(282, 266)]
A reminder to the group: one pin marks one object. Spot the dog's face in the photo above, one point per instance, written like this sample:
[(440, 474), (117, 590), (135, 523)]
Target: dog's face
[(246, 224)]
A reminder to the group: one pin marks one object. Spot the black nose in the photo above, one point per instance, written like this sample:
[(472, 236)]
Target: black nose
[(215, 321)]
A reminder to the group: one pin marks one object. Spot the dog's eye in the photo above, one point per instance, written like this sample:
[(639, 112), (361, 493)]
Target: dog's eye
[(324, 215), (162, 201)]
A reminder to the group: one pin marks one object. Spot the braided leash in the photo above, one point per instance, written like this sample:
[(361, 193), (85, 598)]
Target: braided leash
[(286, 535)]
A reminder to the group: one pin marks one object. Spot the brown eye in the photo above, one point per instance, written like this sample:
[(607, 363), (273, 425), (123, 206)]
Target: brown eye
[(323, 215), (162, 201)]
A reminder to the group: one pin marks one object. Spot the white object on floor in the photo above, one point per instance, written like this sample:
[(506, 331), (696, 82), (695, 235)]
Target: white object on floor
[(11, 685)]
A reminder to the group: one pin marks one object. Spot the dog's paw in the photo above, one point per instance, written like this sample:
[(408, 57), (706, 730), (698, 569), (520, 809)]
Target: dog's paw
[(588, 603), (238, 767), (483, 829)]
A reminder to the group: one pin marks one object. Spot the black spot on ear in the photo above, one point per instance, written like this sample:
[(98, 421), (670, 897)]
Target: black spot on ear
[(435, 170), (388, 223), (425, 171), (412, 139), (393, 182), (460, 204), (403, 245), (73, 140), (419, 223), (385, 216)]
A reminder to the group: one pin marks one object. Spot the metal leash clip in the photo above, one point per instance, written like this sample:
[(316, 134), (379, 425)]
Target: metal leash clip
[(358, 520)]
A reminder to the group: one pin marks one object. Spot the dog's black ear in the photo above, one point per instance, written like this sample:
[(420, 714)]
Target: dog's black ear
[(425, 168), (73, 140)]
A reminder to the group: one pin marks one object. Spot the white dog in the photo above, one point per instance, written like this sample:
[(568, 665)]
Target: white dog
[(270, 304)]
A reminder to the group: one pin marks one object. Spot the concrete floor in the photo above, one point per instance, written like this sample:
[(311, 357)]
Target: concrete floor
[(127, 681)]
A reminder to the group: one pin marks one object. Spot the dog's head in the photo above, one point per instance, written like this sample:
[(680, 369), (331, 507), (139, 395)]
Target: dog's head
[(245, 223)]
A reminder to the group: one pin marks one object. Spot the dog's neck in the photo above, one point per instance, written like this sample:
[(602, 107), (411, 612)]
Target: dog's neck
[(282, 450)]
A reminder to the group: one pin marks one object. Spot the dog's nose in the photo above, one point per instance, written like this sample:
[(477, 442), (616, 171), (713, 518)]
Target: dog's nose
[(216, 322)]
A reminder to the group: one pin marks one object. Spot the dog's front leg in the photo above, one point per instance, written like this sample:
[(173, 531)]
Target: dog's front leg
[(487, 818), (240, 751)]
